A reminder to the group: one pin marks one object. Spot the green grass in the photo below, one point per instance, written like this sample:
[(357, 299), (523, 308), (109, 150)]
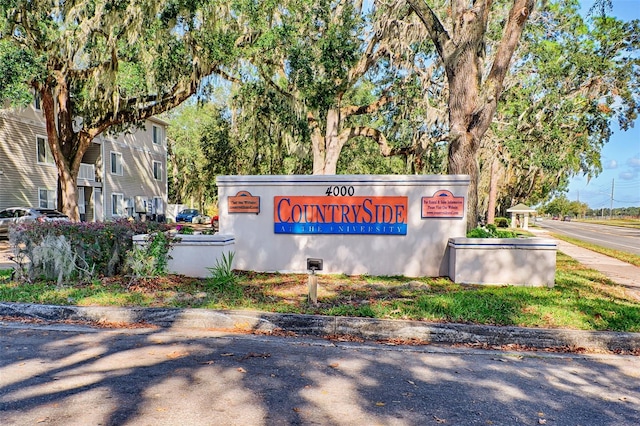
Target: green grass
[(581, 299), (631, 258)]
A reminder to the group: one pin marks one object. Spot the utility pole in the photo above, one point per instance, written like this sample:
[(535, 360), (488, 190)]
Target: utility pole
[(611, 206)]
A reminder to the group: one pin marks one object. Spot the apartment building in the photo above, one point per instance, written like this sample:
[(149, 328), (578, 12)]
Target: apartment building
[(121, 175)]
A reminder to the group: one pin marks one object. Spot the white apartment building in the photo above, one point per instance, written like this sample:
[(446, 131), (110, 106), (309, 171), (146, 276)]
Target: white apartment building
[(121, 175)]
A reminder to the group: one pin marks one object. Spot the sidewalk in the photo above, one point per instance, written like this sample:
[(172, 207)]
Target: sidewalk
[(619, 272)]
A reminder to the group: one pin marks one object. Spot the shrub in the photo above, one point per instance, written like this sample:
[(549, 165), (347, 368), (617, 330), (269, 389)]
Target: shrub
[(490, 231), (501, 222), (150, 259), (99, 247), (223, 279), (185, 230)]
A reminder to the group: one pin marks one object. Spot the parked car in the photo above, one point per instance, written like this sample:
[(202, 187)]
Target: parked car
[(567, 219), (187, 215), (202, 219), (27, 214)]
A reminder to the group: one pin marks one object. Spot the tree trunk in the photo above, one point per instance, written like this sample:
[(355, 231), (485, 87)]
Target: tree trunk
[(464, 109), (472, 103), (327, 147), (62, 140), (493, 193), (462, 161), (68, 195)]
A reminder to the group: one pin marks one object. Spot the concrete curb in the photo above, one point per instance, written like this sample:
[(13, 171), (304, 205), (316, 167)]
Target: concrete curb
[(312, 325)]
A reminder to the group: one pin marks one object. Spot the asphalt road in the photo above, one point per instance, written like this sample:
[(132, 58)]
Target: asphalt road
[(614, 237), (80, 376)]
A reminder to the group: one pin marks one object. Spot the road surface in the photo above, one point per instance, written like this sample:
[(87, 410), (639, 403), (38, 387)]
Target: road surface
[(79, 376), (613, 237)]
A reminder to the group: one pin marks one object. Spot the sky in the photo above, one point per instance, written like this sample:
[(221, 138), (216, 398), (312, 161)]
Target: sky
[(621, 156)]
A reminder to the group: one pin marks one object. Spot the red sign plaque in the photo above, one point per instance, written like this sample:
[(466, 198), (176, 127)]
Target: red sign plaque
[(442, 205), (244, 202)]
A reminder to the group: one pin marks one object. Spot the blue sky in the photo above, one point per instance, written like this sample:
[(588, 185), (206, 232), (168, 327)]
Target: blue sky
[(621, 156)]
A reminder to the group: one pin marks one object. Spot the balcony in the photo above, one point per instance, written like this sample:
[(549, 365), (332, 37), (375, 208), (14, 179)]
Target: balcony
[(87, 175), (87, 172)]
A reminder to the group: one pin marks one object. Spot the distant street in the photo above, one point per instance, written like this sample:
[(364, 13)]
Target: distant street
[(614, 237), (80, 376)]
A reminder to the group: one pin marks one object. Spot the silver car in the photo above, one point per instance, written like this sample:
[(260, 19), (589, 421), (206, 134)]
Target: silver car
[(27, 214)]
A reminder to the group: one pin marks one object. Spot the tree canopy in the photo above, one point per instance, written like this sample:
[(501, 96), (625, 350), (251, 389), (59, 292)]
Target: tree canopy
[(517, 97), (573, 79), (101, 65)]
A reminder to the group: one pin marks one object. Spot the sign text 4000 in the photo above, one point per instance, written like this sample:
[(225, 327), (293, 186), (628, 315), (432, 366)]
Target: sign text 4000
[(341, 191)]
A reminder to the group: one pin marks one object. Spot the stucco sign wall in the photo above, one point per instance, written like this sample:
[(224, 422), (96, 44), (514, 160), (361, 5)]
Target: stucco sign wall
[(357, 224)]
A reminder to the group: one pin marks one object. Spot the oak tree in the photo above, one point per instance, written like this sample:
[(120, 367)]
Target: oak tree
[(101, 65)]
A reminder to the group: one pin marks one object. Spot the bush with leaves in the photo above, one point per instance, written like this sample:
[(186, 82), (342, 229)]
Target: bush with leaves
[(490, 231), (501, 222), (99, 247), (185, 230), (150, 259)]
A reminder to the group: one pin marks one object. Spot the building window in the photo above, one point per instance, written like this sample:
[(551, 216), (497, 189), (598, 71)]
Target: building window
[(156, 134), (81, 200), (158, 206), (117, 204), (116, 163), (46, 198), (44, 152), (157, 170), (37, 102)]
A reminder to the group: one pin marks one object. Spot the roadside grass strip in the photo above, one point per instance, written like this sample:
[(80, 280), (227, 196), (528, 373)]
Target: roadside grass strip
[(630, 258), (582, 298)]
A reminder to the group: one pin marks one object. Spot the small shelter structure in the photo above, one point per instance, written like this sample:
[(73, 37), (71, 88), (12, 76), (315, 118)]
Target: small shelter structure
[(520, 215)]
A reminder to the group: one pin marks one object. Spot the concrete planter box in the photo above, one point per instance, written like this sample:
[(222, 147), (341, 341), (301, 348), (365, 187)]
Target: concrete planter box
[(194, 254), (515, 261)]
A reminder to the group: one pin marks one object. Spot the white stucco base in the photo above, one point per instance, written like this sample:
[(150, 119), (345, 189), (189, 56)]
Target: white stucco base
[(193, 255), (421, 252), (516, 261)]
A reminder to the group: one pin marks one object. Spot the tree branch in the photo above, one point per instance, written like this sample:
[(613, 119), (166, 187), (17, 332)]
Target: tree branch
[(438, 34), (518, 15), (349, 111), (367, 132)]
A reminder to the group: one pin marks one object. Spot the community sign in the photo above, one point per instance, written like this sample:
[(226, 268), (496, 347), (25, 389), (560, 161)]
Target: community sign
[(340, 215)]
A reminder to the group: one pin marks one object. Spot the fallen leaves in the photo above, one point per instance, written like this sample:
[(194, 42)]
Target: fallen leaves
[(177, 354)]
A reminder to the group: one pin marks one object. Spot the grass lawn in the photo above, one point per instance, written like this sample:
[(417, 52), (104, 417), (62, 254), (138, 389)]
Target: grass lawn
[(582, 298), (627, 223)]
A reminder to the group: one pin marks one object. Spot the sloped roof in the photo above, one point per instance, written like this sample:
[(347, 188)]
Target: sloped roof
[(521, 208)]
